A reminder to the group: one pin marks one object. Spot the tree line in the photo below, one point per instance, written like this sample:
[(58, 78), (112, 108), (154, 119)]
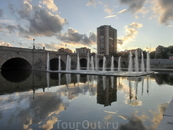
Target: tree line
[(162, 53)]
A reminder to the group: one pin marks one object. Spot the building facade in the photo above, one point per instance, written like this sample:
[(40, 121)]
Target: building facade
[(106, 40), (83, 51)]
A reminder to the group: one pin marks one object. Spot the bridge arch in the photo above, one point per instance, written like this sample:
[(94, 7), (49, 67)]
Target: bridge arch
[(108, 64), (83, 62), (100, 64), (16, 63), (54, 64)]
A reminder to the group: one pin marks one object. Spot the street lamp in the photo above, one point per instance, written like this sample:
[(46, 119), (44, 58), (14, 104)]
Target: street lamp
[(33, 44)]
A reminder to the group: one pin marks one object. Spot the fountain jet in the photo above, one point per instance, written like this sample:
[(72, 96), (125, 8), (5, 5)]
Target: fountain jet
[(96, 62), (104, 63), (130, 62), (142, 63), (88, 61), (92, 63), (78, 63), (59, 63), (112, 63), (48, 67), (148, 62), (136, 62), (119, 64)]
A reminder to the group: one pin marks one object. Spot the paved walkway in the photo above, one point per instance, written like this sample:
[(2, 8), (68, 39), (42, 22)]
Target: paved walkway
[(167, 120)]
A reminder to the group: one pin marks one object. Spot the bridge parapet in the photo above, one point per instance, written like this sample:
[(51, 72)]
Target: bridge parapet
[(37, 58)]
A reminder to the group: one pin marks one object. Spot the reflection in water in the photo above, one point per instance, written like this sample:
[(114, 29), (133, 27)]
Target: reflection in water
[(59, 78), (136, 86), (142, 85), (78, 79), (48, 79), (106, 90), (112, 82), (16, 75), (147, 84), (104, 82), (68, 79), (67, 99), (130, 89)]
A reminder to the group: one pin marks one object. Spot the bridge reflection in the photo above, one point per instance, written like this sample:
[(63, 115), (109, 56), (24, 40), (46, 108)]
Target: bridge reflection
[(104, 87)]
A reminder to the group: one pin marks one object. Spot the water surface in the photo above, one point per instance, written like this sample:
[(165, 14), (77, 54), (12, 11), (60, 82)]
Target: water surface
[(35, 100)]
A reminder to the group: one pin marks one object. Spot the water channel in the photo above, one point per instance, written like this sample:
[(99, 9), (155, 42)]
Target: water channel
[(36, 100)]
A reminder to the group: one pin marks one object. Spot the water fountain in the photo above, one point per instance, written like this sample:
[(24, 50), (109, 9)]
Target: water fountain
[(112, 63), (48, 68), (96, 62), (119, 64), (67, 63), (92, 64), (104, 64), (136, 62), (148, 62), (130, 63), (69, 66), (95, 71), (142, 63), (88, 61), (78, 63), (59, 63)]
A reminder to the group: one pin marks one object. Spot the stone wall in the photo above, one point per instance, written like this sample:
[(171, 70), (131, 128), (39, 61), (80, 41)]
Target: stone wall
[(161, 63)]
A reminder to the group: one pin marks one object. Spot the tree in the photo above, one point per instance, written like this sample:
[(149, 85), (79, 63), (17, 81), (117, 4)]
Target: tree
[(171, 49), (152, 55), (145, 54), (164, 53), (158, 56)]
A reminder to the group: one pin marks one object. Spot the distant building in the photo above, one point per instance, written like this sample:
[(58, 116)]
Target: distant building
[(83, 51), (106, 40), (65, 50)]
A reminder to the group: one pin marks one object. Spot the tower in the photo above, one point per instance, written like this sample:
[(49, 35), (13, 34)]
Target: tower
[(106, 40)]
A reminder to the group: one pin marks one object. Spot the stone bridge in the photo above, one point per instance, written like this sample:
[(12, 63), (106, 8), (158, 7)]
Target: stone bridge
[(36, 59)]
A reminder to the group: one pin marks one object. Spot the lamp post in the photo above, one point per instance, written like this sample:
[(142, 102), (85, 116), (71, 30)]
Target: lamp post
[(33, 44)]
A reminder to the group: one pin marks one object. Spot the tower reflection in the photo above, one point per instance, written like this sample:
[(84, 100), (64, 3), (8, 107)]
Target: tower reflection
[(106, 90)]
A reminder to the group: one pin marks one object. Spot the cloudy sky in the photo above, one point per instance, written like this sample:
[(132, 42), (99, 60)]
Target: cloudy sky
[(73, 23)]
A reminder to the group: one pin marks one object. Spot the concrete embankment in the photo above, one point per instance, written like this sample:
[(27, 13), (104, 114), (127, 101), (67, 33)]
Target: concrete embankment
[(167, 120)]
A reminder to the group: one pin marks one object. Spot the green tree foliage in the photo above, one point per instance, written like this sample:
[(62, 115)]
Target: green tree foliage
[(123, 54), (152, 55), (163, 53), (171, 49)]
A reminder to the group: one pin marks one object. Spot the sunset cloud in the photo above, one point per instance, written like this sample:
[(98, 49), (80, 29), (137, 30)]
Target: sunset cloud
[(73, 36), (91, 3), (114, 15), (130, 33), (134, 5), (107, 9), (2, 43), (50, 4), (163, 11)]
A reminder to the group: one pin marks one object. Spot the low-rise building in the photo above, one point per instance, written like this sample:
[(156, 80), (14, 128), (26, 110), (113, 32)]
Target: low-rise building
[(83, 51)]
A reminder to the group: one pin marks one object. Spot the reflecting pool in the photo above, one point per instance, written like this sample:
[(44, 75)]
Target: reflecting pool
[(35, 100)]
